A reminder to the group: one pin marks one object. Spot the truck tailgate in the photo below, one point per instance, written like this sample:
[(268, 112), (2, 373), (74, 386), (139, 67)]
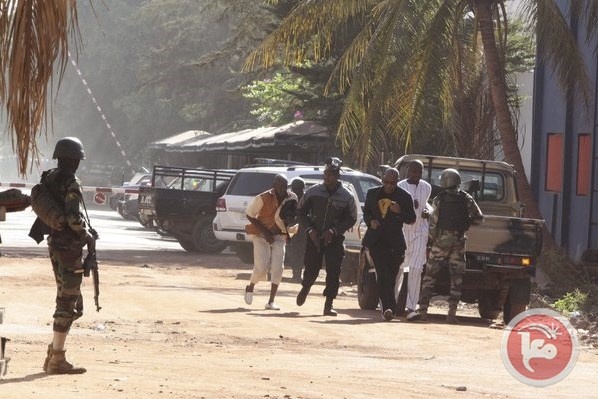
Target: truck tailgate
[(506, 235), (181, 204)]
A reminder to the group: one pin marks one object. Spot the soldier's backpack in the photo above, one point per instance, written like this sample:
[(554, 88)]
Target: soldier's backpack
[(453, 213), (46, 207)]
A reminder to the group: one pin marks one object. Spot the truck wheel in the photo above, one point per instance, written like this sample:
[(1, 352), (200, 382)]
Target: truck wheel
[(187, 245), (204, 238), (487, 304), (350, 267), (244, 252), (146, 222), (510, 310), (367, 289)]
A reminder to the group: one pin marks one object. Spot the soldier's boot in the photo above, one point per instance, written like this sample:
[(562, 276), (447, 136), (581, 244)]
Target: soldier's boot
[(451, 316), (59, 365), (48, 356), (328, 310)]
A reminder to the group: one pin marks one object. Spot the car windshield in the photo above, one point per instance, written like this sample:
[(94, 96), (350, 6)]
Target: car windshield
[(254, 183), (250, 183)]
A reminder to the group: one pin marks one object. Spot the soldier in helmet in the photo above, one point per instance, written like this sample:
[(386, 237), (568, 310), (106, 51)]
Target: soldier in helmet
[(66, 250), (327, 210), (453, 212)]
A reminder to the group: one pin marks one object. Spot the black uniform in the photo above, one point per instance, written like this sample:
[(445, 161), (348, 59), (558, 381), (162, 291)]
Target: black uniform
[(322, 210)]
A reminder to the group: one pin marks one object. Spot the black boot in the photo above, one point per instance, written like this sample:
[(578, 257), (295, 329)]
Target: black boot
[(302, 296), (328, 311)]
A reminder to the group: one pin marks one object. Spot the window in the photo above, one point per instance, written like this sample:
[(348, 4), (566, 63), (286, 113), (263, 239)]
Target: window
[(494, 183), (584, 164), (554, 162)]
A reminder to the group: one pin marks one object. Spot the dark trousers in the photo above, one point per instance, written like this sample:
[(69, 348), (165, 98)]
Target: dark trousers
[(333, 254), (386, 261)]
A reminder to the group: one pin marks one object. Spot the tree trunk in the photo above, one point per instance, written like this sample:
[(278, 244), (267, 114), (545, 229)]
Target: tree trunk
[(498, 91)]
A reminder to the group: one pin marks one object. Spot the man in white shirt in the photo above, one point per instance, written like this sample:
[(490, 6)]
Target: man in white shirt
[(416, 235)]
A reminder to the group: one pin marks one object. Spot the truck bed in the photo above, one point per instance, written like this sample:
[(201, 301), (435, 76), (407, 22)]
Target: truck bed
[(182, 202)]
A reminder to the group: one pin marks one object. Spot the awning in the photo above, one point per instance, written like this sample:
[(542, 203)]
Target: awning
[(296, 133), (178, 139)]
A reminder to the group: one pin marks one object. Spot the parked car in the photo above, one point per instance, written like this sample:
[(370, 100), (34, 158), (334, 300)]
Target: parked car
[(125, 203), (230, 220)]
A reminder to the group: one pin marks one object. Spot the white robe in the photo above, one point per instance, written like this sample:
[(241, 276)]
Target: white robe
[(416, 239)]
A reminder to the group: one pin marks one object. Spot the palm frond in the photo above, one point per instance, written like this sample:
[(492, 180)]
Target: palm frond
[(307, 33), (587, 11), (34, 35), (557, 45)]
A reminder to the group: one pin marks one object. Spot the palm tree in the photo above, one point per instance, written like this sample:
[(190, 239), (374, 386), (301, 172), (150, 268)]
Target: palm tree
[(33, 50), (406, 48)]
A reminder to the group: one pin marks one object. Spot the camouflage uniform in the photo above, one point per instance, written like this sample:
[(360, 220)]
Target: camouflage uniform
[(447, 247), (66, 249)]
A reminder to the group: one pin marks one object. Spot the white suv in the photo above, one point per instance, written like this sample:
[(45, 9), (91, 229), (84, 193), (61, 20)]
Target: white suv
[(230, 220)]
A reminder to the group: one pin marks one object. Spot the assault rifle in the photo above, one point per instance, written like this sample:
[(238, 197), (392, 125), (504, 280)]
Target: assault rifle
[(90, 264)]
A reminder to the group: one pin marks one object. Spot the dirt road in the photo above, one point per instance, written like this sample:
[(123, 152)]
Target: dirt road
[(176, 326)]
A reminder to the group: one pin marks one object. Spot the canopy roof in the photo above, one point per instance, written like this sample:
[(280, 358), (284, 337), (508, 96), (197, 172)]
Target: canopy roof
[(295, 133), (178, 139)]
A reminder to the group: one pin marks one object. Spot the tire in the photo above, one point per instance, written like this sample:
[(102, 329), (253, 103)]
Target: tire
[(187, 245), (244, 252), (367, 289), (488, 306), (113, 201), (145, 222), (350, 267), (510, 310), (204, 238)]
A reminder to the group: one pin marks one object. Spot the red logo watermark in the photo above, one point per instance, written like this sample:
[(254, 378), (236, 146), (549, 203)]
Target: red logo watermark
[(539, 347)]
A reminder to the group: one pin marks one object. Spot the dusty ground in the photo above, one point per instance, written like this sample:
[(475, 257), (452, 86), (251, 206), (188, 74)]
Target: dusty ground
[(176, 326)]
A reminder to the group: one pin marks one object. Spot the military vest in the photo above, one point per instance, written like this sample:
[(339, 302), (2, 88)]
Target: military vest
[(453, 214)]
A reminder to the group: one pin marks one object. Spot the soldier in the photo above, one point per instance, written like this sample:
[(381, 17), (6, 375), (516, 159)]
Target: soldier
[(453, 212), (66, 250), (327, 210)]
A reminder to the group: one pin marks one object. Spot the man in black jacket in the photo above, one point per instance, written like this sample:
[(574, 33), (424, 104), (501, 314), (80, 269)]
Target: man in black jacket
[(327, 210), (386, 208)]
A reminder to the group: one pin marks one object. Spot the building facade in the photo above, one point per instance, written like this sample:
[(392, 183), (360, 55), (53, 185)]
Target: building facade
[(565, 154)]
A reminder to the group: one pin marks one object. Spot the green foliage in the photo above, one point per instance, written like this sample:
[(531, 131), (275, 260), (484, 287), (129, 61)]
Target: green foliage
[(273, 102), (571, 302), (569, 281), (156, 68)]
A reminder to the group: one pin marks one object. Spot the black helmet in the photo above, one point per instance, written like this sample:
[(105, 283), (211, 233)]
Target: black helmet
[(69, 147), (333, 164), (450, 178)]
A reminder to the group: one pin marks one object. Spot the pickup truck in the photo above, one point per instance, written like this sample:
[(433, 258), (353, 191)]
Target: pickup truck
[(182, 202), (501, 253)]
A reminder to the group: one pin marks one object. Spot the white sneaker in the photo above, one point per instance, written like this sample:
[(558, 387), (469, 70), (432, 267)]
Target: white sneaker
[(413, 315), (272, 306), (248, 297)]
